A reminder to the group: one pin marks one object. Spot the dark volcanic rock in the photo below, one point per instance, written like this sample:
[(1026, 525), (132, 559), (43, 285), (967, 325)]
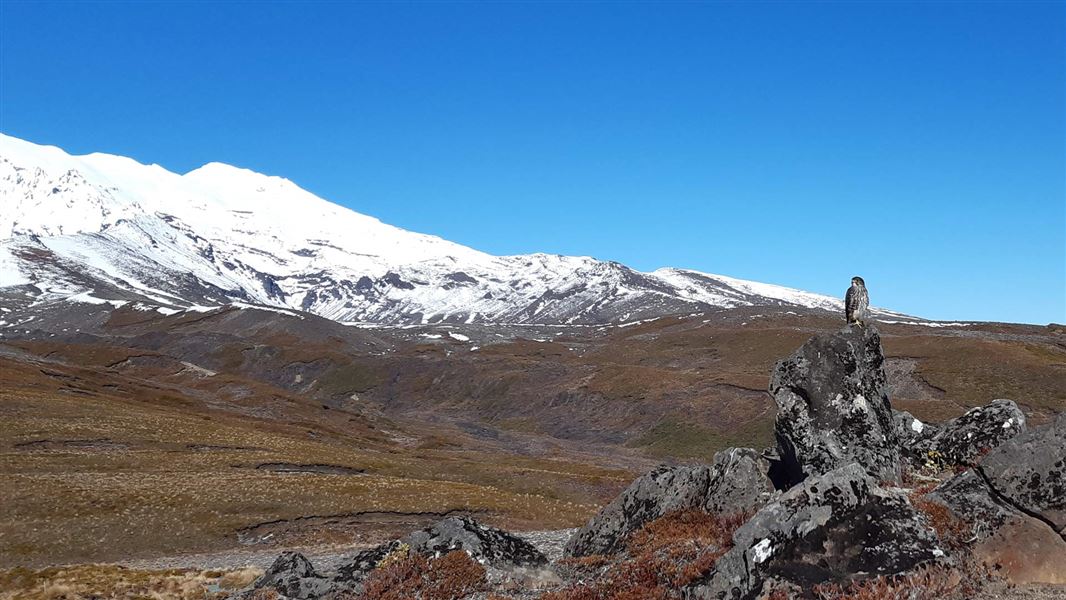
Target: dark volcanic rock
[(735, 481), (830, 527), (1015, 501), (293, 576), (356, 568), (1020, 548), (969, 498), (487, 545), (1029, 472), (963, 440), (913, 436), (833, 409)]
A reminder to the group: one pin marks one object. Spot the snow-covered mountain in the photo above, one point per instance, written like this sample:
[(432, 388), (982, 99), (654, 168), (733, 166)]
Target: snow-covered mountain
[(102, 227)]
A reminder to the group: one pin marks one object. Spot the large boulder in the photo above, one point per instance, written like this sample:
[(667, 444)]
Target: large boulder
[(828, 528), (913, 435), (833, 409), (1018, 547), (1029, 472), (962, 440), (293, 576), (1013, 501), (735, 481)]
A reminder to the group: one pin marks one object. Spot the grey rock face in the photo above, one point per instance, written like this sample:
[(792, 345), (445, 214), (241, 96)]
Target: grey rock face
[(833, 409), (1014, 500), (649, 497), (362, 563), (1029, 472), (962, 440), (735, 481), (827, 528), (913, 435), (293, 576), (487, 545), (970, 499)]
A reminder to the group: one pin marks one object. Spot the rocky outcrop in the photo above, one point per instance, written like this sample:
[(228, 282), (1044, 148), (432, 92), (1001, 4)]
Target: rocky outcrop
[(487, 545), (1029, 472), (362, 563), (830, 527), (833, 409), (1014, 501), (823, 506), (912, 434), (735, 481), (962, 440), (293, 576)]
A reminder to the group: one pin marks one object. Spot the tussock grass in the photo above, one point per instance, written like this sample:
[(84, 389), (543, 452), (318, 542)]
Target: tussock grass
[(112, 582)]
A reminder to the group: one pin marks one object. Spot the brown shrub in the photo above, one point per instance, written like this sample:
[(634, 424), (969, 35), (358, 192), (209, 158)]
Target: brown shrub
[(662, 557), (951, 530), (453, 575)]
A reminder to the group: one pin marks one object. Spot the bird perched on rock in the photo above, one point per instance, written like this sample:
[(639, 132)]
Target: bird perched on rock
[(856, 301)]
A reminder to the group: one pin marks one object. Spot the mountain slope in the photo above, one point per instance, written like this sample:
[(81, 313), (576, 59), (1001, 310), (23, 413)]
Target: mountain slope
[(75, 226)]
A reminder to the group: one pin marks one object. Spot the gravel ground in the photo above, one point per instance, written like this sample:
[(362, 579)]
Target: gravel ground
[(1026, 592)]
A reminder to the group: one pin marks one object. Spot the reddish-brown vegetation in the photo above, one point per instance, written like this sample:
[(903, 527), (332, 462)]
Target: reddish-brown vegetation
[(453, 575), (950, 529), (661, 558)]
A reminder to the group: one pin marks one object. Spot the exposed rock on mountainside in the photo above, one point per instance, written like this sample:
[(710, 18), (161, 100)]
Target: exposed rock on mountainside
[(293, 576), (486, 545), (1029, 472), (736, 481), (830, 527), (833, 409), (962, 440), (1013, 501)]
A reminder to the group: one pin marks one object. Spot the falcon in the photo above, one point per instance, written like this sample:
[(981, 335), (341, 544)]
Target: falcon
[(856, 301)]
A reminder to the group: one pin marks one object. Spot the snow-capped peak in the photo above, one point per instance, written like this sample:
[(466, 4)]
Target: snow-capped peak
[(221, 234)]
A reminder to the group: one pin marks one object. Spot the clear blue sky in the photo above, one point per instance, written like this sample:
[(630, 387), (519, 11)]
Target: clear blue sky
[(921, 145)]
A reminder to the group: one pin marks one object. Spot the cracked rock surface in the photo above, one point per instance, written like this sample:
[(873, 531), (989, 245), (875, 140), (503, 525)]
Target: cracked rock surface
[(833, 409)]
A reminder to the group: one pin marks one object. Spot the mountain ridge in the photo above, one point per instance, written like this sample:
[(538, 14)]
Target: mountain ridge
[(221, 234)]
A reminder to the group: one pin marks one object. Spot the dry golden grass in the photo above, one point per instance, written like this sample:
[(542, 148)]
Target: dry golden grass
[(139, 482), (110, 582)]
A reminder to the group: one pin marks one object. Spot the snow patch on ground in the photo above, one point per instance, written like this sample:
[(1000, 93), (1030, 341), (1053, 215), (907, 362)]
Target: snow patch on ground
[(927, 323), (88, 298)]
